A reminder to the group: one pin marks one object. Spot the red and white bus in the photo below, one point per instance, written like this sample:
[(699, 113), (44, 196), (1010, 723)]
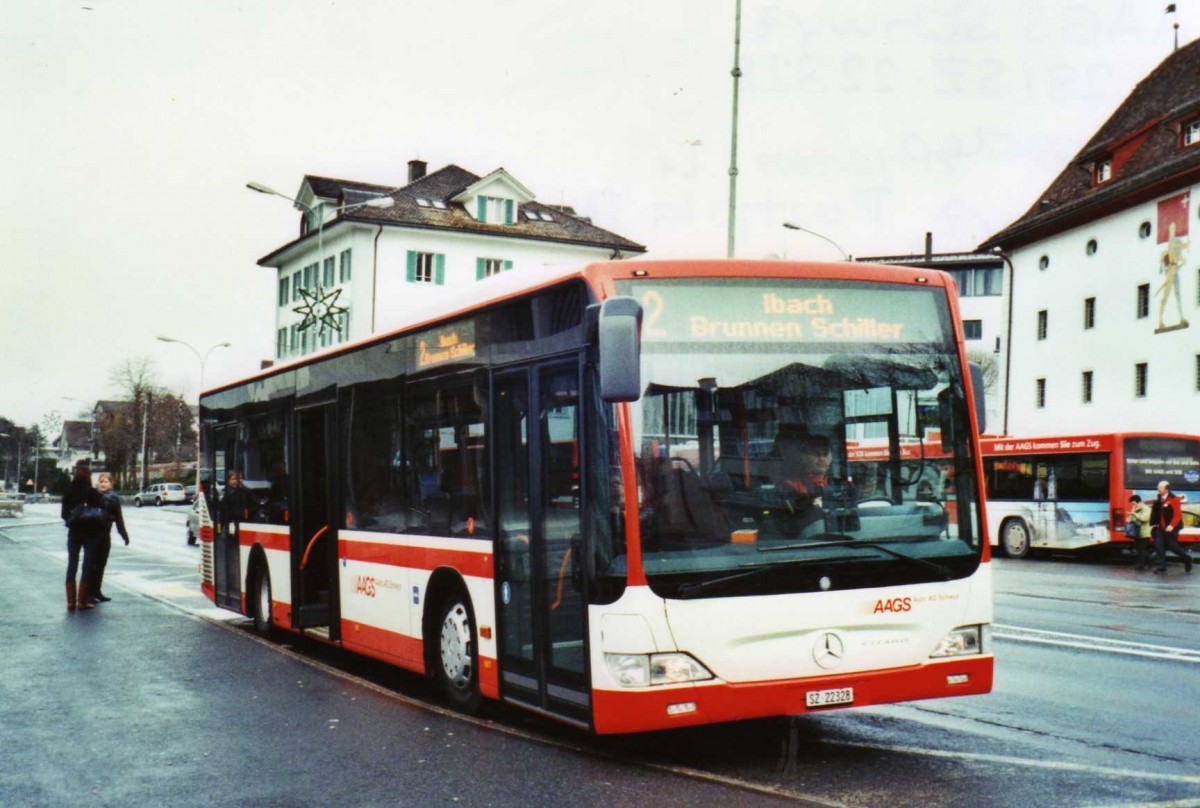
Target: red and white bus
[(1071, 492), (565, 496)]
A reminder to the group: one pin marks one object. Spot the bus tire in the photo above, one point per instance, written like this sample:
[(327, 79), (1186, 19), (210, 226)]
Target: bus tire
[(1015, 538), (456, 662), (260, 605)]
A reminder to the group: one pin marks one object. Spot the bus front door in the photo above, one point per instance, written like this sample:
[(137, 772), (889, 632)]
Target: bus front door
[(314, 527), (540, 600)]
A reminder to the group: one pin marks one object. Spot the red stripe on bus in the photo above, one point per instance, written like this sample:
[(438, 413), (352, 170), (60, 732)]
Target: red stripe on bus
[(617, 711), (421, 558), (269, 540)]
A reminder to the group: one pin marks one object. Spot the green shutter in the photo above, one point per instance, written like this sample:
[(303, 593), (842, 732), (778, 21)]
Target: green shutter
[(412, 266), (507, 266), (482, 208), (480, 268), (439, 269), (508, 211)]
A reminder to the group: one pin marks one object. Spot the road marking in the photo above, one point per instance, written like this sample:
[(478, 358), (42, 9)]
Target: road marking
[(1008, 760), (1084, 642)]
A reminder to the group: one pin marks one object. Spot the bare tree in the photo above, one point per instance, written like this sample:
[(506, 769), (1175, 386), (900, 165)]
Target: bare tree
[(990, 366), (149, 420)]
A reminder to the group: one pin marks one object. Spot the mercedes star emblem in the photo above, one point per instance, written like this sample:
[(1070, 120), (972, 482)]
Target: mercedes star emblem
[(828, 651)]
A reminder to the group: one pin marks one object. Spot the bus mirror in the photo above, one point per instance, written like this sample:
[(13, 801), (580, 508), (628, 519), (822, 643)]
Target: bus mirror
[(620, 349), (980, 400)]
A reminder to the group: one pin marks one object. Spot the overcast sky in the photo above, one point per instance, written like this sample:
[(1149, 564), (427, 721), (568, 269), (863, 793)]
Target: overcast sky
[(132, 126)]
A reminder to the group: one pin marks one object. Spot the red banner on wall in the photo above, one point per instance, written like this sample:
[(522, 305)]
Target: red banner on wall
[(1173, 211)]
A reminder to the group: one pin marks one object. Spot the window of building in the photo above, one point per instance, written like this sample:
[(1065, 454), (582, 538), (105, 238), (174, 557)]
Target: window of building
[(343, 330), (292, 344), (1140, 372), (1191, 132), (1103, 171), (440, 204), (310, 276), (422, 202), (978, 282), (972, 329), (283, 290), (344, 274), (327, 275), (1041, 394), (531, 216), (280, 343), (495, 210), (1087, 387), (1092, 246), (1198, 373), (487, 267), (1144, 230), (426, 268), (1043, 316), (295, 286), (1089, 312), (1143, 300)]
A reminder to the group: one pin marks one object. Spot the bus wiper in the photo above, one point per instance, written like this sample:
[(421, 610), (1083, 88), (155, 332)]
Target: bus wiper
[(687, 590), (841, 540)]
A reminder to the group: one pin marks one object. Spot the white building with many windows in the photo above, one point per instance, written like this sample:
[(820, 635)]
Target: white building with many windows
[(1106, 291), (356, 269), (983, 307)]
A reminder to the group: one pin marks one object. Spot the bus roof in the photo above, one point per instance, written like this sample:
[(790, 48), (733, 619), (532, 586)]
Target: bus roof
[(601, 277)]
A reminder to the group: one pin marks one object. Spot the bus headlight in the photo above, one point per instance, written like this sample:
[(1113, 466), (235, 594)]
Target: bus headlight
[(962, 641), (643, 670)]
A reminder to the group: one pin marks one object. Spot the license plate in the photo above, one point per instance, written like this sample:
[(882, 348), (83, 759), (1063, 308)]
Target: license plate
[(828, 698)]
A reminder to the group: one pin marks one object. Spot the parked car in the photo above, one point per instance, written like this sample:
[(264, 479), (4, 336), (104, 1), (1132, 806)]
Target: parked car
[(193, 523), (160, 494)]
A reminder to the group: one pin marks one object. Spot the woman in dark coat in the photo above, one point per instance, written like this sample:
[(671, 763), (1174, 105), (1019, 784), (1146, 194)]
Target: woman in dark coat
[(112, 504), (80, 536)]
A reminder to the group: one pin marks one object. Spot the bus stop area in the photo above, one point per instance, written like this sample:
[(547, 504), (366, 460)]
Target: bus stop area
[(138, 702)]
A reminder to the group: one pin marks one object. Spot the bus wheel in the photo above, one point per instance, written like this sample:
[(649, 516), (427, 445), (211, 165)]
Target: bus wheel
[(458, 656), (262, 602), (1014, 535)]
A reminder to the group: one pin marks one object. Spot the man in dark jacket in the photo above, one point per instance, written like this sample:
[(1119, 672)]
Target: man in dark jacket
[(1166, 514)]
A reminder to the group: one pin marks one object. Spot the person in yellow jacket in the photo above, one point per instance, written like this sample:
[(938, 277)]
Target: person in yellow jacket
[(1139, 515)]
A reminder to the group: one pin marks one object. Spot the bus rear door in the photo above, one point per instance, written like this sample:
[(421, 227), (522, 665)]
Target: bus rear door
[(314, 532)]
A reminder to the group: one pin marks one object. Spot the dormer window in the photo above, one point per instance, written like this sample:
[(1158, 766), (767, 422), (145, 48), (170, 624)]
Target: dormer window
[(1191, 132), (1103, 171), (495, 210)]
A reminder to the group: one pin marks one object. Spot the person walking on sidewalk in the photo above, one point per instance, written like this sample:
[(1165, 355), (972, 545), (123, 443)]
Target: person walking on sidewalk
[(83, 513), (1167, 517), (1143, 539), (112, 505)]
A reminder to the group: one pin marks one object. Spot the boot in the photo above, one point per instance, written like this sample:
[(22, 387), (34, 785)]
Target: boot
[(82, 602), (70, 596)]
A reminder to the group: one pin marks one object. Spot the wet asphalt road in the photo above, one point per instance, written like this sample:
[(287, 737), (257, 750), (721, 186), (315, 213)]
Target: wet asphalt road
[(159, 699)]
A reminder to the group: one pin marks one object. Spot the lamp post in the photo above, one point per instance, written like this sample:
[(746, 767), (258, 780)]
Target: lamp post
[(319, 214), (203, 360), (791, 226), (16, 440)]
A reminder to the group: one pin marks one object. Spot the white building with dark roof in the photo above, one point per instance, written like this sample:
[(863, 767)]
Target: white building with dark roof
[(1106, 290), (356, 269)]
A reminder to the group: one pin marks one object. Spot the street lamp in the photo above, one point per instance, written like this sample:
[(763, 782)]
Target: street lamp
[(319, 214), (17, 441), (791, 226), (203, 360)]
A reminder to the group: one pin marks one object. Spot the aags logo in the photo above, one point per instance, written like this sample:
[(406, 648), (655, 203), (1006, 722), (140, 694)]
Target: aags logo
[(893, 605), (365, 585)]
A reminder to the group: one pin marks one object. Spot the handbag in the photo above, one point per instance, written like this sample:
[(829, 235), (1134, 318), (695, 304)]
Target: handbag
[(88, 517), (1132, 529)]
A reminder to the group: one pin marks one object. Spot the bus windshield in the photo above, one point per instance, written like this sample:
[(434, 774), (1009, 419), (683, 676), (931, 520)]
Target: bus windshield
[(800, 434)]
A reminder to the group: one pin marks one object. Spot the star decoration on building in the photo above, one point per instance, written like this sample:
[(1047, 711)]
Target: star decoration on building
[(320, 307)]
